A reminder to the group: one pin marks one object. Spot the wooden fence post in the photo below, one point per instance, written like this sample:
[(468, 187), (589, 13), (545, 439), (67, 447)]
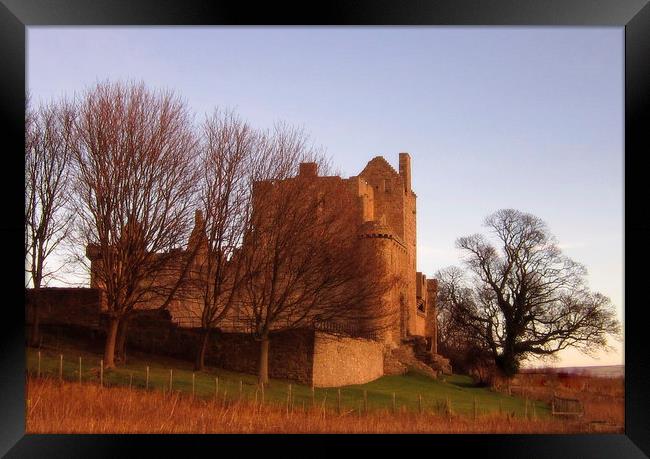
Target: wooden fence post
[(171, 372), (60, 367), (288, 398), (526, 409), (79, 370), (534, 411), (241, 389), (101, 373), (146, 384), (38, 374), (313, 396), (475, 408), (500, 407), (192, 385), (394, 406), (420, 403), (365, 401), (338, 401), (323, 404), (130, 379)]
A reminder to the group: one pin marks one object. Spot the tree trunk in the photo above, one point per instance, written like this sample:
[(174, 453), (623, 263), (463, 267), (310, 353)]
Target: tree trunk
[(199, 364), (37, 279), (263, 374), (507, 361), (109, 349), (120, 345)]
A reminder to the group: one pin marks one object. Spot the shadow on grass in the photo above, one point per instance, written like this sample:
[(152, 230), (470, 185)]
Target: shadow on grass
[(466, 384)]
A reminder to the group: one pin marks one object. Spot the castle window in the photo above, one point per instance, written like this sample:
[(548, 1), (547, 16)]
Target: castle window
[(421, 306)]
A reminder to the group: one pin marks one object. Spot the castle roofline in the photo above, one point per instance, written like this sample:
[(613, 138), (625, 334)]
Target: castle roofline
[(380, 160), (310, 178)]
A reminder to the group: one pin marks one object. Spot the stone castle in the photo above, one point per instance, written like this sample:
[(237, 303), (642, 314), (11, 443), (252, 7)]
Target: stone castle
[(387, 225)]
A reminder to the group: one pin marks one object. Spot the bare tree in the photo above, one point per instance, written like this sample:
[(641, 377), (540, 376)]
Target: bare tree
[(49, 136), (226, 154), (302, 260), (526, 299), (467, 352), (135, 179)]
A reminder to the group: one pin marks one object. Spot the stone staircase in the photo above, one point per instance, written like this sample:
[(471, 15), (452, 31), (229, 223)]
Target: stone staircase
[(435, 361), (413, 354)]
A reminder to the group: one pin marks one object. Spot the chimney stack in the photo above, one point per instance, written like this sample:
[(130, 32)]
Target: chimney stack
[(308, 170), (405, 170)]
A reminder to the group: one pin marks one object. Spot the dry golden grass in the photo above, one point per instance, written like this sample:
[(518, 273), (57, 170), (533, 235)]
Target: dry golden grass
[(67, 407)]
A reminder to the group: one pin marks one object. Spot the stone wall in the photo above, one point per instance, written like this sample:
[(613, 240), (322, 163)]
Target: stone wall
[(64, 306), (432, 314), (340, 361), (290, 354), (403, 359), (419, 324)]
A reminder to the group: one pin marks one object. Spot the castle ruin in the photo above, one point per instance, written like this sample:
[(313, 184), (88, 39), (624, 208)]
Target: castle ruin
[(387, 226)]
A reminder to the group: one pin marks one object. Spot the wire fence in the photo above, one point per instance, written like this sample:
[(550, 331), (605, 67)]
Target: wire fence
[(334, 400)]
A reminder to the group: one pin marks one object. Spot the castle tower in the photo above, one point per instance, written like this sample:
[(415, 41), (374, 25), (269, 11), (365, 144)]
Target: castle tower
[(394, 199), (416, 316), (405, 170), (378, 240)]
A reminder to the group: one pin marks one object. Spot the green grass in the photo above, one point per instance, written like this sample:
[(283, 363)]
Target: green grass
[(458, 389)]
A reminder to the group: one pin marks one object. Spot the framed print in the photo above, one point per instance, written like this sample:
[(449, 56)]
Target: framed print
[(365, 218)]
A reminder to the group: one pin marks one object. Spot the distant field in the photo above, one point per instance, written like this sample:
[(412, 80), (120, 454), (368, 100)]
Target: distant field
[(605, 371), (457, 391), (596, 371)]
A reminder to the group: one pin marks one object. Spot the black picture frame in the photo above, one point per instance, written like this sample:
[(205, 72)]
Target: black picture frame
[(633, 15)]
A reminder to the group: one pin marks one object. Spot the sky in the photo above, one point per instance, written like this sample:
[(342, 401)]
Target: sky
[(530, 118)]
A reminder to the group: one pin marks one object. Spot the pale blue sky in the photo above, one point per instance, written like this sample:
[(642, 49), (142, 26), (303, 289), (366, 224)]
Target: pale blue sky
[(529, 118)]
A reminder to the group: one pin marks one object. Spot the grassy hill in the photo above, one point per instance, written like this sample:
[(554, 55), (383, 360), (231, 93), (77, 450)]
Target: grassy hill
[(457, 390)]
